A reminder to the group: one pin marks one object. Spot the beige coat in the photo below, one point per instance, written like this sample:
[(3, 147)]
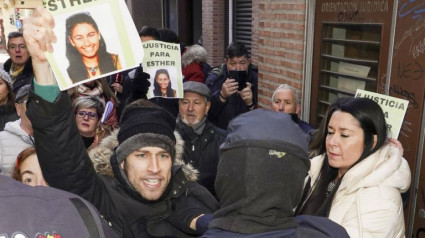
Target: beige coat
[(368, 201)]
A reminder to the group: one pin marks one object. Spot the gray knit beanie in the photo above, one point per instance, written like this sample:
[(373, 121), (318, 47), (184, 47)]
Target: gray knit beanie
[(5, 76), (145, 126)]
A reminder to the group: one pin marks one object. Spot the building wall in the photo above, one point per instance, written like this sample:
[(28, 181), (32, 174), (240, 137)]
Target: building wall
[(278, 50), (8, 11), (213, 30)]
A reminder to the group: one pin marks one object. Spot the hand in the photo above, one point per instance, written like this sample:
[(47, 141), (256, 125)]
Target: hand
[(38, 33), (117, 87), (39, 36), (229, 87), (141, 82), (246, 94), (397, 144)]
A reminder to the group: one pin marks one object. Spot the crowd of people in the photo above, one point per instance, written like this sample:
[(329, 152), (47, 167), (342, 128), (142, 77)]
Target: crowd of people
[(209, 164)]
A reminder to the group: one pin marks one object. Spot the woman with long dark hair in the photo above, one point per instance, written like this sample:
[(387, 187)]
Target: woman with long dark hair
[(162, 84), (86, 49), (359, 175)]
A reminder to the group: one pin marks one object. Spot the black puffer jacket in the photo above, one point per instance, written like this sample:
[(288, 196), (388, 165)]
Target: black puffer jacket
[(24, 77), (7, 114), (67, 166), (202, 151)]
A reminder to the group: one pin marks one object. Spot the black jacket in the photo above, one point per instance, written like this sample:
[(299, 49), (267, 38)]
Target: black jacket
[(24, 77), (202, 151), (7, 114), (67, 166), (220, 114)]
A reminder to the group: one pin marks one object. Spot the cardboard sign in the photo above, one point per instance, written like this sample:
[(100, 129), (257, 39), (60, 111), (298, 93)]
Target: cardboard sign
[(162, 61), (394, 109), (94, 39)]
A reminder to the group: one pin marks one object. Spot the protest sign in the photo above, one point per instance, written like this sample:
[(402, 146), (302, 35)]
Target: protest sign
[(394, 109), (94, 39), (162, 61)]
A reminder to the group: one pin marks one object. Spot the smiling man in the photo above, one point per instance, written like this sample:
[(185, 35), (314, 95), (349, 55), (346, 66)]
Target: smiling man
[(202, 139), (19, 64), (149, 194)]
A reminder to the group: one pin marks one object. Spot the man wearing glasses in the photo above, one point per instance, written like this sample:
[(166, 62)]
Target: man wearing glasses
[(19, 64), (233, 85)]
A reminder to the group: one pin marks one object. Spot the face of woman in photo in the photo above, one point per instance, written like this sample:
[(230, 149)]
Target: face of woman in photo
[(344, 142), (163, 81), (85, 38), (4, 92)]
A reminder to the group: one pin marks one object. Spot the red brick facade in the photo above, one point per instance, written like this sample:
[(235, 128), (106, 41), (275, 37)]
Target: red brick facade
[(279, 55), (213, 30)]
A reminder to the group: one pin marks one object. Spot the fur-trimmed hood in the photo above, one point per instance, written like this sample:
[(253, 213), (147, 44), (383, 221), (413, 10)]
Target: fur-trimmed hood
[(100, 156), (194, 53)]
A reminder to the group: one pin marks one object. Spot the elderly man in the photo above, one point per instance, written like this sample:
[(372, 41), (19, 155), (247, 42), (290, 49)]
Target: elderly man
[(149, 195), (19, 64), (233, 86), (202, 139), (287, 99)]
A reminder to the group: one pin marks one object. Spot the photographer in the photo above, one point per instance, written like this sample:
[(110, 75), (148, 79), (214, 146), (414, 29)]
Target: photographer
[(230, 97)]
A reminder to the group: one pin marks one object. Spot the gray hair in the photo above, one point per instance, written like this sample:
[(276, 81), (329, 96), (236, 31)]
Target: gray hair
[(89, 102), (14, 34), (295, 91)]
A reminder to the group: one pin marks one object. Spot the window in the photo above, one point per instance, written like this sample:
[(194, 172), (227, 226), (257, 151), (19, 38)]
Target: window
[(349, 61)]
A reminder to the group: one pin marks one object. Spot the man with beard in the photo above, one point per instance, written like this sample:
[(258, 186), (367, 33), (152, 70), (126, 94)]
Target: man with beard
[(202, 139), (149, 195)]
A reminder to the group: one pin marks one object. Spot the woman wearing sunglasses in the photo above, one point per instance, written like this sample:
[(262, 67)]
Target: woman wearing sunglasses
[(88, 112)]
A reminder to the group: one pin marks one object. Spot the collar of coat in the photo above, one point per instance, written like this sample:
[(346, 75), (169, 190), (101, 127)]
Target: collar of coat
[(385, 167)]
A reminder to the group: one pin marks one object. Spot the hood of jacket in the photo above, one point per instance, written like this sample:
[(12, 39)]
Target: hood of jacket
[(101, 154), (260, 175), (14, 127), (194, 53), (385, 167)]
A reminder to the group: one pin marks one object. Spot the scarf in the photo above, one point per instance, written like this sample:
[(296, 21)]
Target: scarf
[(195, 130), (84, 90), (15, 72)]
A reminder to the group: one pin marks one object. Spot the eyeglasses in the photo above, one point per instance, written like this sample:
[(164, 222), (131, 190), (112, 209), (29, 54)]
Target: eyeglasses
[(83, 114), (20, 46)]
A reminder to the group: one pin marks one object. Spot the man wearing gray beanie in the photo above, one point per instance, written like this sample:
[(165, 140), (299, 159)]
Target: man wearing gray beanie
[(149, 195), (202, 139)]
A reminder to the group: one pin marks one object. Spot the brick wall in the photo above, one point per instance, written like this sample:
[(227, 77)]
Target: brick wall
[(213, 30), (278, 45)]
